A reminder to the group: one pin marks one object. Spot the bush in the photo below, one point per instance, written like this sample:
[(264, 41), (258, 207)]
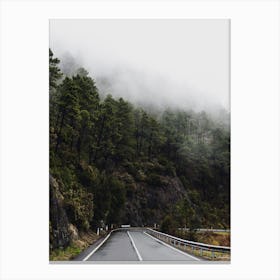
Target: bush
[(79, 207), (154, 180), (169, 225)]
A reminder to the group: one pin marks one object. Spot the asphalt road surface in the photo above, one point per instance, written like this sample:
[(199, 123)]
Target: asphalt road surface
[(131, 245)]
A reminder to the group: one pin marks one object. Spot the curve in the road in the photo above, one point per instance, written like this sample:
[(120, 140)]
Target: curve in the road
[(131, 245)]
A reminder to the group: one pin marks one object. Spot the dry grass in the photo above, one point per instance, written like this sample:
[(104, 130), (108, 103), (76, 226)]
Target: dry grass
[(213, 256), (208, 237), (75, 248), (214, 238), (65, 254)]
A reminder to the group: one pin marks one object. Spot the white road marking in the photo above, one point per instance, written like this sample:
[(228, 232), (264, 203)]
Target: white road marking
[(167, 245), (134, 246), (95, 249)]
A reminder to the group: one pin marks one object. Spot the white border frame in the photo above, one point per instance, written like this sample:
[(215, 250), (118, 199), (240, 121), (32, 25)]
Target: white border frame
[(255, 137)]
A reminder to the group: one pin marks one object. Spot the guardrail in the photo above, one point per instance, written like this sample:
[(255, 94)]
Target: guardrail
[(204, 250), (206, 229)]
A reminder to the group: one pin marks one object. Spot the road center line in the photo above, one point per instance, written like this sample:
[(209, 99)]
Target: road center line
[(167, 245), (95, 249), (134, 246)]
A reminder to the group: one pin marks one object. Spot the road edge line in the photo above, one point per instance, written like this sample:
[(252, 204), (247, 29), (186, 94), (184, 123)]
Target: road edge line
[(134, 246), (169, 246), (95, 249)]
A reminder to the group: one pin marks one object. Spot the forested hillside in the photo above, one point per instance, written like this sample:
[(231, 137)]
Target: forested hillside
[(112, 162)]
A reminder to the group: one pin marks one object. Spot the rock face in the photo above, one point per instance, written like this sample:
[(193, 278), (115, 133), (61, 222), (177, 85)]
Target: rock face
[(147, 204), (74, 233), (59, 226)]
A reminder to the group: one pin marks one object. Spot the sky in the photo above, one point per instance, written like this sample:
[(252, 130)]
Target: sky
[(180, 62)]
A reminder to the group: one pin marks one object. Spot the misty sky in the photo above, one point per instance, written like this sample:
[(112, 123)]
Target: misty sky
[(184, 63)]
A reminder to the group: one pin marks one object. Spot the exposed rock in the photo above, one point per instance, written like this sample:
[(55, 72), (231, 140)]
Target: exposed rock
[(59, 226), (74, 234), (149, 204)]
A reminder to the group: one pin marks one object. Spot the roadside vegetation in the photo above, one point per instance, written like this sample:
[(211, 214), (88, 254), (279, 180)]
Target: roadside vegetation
[(207, 237), (75, 247), (65, 254)]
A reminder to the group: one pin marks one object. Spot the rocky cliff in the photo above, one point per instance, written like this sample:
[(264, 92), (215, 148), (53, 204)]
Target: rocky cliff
[(59, 224), (148, 204)]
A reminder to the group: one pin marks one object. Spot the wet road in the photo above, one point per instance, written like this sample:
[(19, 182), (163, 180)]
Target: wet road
[(132, 245)]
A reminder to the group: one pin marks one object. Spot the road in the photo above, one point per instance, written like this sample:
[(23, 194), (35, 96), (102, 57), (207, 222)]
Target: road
[(136, 245)]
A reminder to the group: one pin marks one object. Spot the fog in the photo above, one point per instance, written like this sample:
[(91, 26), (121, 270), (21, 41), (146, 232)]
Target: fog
[(164, 63)]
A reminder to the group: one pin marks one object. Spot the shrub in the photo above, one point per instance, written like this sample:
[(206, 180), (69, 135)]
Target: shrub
[(154, 180)]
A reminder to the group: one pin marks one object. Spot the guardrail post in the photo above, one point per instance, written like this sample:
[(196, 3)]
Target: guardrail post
[(213, 254), (201, 252)]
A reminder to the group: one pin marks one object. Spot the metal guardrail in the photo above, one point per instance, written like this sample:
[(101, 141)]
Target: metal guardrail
[(202, 249), (206, 229)]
